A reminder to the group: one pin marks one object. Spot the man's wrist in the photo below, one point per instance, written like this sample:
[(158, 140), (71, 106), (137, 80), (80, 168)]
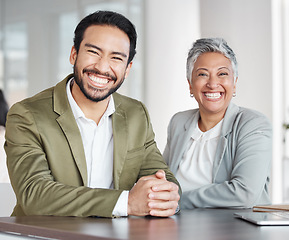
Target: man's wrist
[(120, 208)]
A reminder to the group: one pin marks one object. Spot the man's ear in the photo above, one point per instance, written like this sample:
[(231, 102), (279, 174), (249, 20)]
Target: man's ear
[(127, 69), (73, 55)]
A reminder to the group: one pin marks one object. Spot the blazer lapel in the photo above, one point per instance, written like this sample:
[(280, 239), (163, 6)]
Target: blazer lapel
[(220, 151), (120, 128), (181, 142), (229, 119), (69, 127)]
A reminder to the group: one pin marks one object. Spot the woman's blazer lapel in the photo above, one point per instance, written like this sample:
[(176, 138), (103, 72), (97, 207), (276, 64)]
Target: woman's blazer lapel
[(227, 127), (183, 134)]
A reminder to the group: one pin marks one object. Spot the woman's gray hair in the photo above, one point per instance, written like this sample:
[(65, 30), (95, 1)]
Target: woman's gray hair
[(204, 45)]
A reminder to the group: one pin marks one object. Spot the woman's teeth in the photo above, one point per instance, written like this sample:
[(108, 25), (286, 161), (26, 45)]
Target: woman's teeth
[(213, 95)]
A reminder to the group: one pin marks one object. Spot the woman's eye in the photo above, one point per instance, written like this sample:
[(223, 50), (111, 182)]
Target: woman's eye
[(223, 74), (202, 74)]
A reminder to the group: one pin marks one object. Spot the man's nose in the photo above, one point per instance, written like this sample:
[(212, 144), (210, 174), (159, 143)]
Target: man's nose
[(102, 65)]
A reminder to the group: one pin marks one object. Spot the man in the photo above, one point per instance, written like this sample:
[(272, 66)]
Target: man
[(79, 148)]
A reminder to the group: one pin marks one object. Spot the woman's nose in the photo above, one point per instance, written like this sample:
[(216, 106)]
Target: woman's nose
[(213, 82)]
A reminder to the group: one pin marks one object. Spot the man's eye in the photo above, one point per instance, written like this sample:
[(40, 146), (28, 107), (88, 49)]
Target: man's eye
[(117, 58), (92, 51)]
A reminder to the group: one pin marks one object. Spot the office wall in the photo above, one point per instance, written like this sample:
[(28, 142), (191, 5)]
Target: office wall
[(170, 32), (170, 29), (246, 25), (248, 28)]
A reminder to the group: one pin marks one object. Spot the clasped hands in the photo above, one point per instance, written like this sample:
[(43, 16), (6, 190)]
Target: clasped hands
[(153, 195)]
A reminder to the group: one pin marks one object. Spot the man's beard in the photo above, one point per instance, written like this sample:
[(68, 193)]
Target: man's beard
[(95, 97)]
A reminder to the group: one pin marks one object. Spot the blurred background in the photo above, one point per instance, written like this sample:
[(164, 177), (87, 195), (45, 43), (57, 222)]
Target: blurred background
[(36, 37)]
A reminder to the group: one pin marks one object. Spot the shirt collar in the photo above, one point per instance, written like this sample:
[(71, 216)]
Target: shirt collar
[(212, 133), (76, 110)]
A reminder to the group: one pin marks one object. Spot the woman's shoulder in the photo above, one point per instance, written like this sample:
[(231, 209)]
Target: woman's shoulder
[(182, 120), (248, 115), (247, 120), (183, 116)]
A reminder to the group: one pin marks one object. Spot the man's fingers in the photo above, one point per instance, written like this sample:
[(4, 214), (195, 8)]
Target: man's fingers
[(164, 196), (138, 198), (165, 186), (153, 181), (162, 205), (162, 213), (161, 174), (150, 177)]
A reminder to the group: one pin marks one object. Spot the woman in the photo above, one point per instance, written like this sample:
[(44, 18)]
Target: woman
[(220, 153)]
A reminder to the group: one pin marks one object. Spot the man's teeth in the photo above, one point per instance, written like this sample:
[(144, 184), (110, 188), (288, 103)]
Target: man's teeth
[(213, 95), (98, 80)]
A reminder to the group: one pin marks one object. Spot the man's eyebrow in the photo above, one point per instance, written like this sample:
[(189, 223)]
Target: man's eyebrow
[(93, 46), (98, 48), (120, 53)]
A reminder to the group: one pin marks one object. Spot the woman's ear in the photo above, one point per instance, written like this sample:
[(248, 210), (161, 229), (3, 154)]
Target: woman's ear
[(235, 85), (190, 86)]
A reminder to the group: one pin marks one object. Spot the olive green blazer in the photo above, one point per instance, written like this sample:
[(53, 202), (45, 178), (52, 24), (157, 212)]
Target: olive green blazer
[(46, 161)]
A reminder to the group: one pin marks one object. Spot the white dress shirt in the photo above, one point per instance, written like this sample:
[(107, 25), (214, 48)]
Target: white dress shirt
[(98, 148), (196, 167)]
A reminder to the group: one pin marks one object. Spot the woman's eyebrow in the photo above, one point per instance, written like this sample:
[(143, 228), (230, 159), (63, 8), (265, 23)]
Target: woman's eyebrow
[(201, 68), (223, 67)]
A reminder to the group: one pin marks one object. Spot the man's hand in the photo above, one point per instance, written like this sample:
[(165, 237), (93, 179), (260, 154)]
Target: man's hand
[(153, 195)]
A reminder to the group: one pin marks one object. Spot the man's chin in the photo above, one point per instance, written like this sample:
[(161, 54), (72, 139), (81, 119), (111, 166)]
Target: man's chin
[(99, 97)]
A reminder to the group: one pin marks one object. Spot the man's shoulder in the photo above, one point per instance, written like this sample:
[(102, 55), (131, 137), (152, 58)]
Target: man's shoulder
[(43, 95), (36, 100), (43, 98)]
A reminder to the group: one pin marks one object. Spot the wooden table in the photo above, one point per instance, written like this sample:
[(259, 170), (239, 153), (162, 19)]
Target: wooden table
[(198, 224)]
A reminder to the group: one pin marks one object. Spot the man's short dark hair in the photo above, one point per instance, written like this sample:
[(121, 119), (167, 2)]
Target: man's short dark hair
[(107, 18)]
